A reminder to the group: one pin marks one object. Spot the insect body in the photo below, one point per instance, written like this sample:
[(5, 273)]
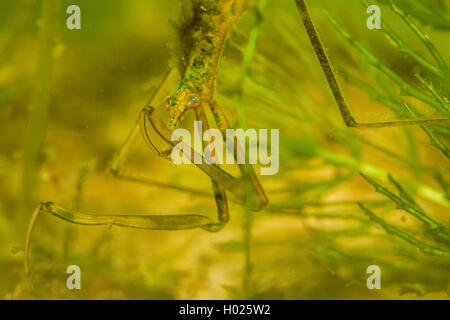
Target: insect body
[(202, 36), (206, 29)]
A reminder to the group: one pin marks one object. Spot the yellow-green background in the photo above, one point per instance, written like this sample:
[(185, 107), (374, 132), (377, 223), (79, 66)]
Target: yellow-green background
[(103, 74)]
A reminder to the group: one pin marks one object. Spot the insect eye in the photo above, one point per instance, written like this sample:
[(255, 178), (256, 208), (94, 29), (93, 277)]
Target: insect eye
[(193, 101), (167, 103)]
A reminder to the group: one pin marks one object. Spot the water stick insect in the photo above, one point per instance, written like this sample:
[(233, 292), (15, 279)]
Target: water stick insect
[(206, 32), (201, 46)]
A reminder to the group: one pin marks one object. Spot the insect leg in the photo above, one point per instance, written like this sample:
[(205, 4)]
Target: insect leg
[(223, 124), (148, 222), (116, 166), (346, 114)]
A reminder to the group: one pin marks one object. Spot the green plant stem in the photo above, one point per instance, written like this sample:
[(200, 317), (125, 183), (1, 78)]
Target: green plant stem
[(18, 21), (405, 87), (405, 49), (407, 206), (434, 92), (415, 242), (394, 105), (38, 111), (247, 225), (434, 140), (379, 173), (422, 36)]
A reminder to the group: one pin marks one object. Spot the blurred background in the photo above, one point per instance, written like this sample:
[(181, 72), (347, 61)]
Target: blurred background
[(68, 99)]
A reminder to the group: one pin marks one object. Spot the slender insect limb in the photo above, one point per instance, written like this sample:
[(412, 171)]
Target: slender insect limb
[(219, 116), (221, 180), (31, 225), (223, 124), (405, 87), (346, 114), (234, 185), (148, 222), (121, 154), (157, 96), (197, 85), (401, 123), (397, 107), (151, 222), (145, 180), (219, 190), (115, 167), (255, 184), (118, 159), (324, 62), (148, 116)]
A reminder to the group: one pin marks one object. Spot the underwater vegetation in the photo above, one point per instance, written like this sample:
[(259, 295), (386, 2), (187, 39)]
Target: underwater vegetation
[(363, 149)]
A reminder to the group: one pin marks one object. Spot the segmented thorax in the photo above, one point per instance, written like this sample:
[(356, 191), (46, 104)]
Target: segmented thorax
[(201, 40), (183, 100)]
